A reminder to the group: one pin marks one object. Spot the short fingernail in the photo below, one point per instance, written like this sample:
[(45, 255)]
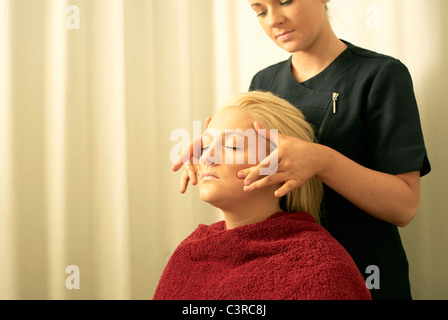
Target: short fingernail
[(248, 182), (241, 174)]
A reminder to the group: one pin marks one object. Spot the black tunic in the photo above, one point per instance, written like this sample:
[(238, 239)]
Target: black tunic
[(363, 105)]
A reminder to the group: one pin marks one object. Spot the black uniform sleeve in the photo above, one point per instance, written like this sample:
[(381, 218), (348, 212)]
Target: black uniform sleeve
[(393, 123)]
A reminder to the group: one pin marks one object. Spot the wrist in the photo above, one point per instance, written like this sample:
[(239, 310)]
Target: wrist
[(324, 160)]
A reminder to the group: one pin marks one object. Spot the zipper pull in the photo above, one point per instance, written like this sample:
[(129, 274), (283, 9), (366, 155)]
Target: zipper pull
[(335, 99)]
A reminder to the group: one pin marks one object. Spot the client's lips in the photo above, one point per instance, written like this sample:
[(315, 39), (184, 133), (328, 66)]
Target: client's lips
[(209, 176)]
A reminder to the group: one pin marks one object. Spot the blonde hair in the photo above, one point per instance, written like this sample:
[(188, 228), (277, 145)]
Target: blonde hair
[(273, 112)]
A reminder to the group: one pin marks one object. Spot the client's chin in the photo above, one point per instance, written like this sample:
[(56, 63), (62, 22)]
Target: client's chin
[(211, 195)]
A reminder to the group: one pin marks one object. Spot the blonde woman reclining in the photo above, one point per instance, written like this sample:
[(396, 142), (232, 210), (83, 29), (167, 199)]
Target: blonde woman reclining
[(266, 248)]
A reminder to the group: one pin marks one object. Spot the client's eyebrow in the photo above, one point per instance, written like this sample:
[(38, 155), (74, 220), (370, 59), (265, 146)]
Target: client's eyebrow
[(234, 133), (225, 134), (208, 134)]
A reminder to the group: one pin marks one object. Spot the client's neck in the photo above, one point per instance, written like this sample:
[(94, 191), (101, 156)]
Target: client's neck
[(239, 215)]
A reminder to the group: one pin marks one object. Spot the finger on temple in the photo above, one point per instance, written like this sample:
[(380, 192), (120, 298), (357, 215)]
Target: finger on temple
[(191, 152), (270, 135)]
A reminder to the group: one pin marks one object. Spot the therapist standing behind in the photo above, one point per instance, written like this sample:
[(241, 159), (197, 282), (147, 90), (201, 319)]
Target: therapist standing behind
[(371, 153)]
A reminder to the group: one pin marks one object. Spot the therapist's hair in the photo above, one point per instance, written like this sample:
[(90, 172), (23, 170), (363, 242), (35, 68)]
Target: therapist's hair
[(273, 112)]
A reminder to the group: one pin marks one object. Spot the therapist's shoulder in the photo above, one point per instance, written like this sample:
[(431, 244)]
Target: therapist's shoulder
[(378, 61), (263, 79)]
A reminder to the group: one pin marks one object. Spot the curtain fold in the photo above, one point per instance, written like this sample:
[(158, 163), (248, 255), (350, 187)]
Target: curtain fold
[(7, 274), (55, 141), (91, 91)]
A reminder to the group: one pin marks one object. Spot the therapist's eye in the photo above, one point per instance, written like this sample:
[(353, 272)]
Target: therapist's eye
[(261, 14), (285, 3)]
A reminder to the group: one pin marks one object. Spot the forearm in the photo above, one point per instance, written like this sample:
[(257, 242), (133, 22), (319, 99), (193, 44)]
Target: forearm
[(390, 198)]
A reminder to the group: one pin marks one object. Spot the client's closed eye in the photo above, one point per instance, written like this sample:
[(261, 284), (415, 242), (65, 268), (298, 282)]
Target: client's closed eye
[(205, 148), (233, 148)]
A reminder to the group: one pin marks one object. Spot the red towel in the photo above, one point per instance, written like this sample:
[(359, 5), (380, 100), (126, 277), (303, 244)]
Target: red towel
[(286, 257)]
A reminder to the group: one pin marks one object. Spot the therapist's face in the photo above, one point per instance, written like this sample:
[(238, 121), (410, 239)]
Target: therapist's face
[(224, 155), (294, 25)]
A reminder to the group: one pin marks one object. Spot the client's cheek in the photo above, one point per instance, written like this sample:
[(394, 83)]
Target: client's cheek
[(199, 168), (251, 157)]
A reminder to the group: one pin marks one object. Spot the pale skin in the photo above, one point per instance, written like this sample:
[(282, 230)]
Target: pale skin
[(218, 182), (301, 27)]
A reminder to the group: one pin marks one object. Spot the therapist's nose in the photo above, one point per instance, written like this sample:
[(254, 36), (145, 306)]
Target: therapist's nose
[(276, 18)]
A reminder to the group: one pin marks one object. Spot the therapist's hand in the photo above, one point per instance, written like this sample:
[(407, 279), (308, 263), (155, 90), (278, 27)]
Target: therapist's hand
[(391, 198), (298, 161), (186, 160)]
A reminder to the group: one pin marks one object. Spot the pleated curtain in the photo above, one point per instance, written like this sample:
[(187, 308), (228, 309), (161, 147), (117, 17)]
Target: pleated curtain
[(90, 92)]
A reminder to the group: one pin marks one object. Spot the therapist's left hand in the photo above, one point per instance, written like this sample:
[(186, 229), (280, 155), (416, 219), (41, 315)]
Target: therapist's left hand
[(298, 161)]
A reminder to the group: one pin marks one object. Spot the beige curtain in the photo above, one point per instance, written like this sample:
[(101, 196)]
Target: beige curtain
[(86, 115), (90, 92)]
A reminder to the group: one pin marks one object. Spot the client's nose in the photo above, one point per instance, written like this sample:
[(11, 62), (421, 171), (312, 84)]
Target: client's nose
[(207, 157), (213, 154)]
